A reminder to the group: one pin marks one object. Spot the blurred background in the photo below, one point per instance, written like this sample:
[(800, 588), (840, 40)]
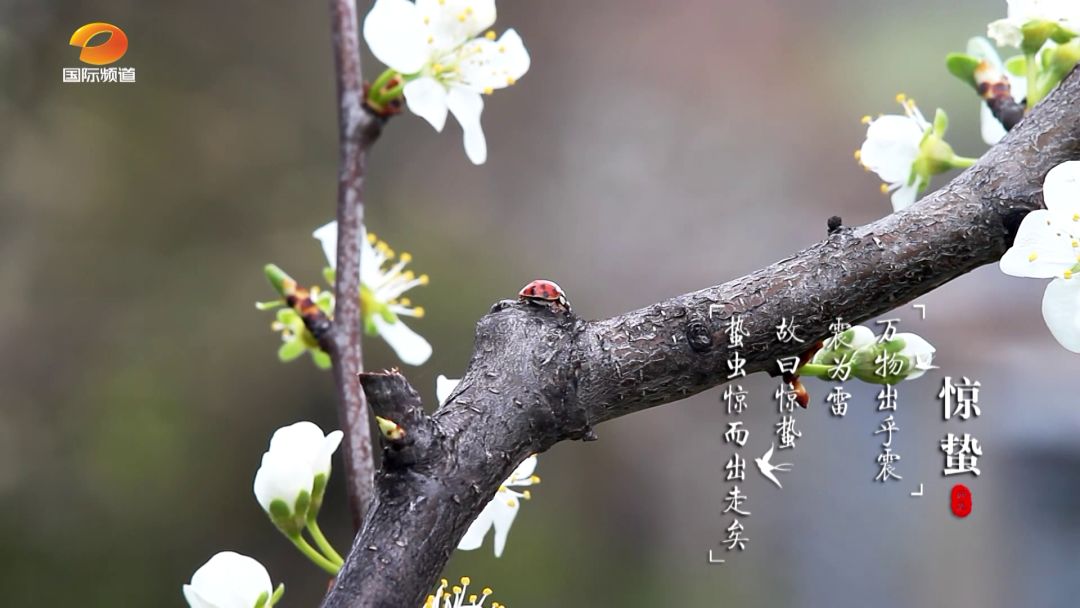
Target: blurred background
[(660, 147)]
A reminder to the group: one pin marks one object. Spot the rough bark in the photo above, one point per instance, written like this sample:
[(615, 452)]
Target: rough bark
[(538, 376), (358, 129)]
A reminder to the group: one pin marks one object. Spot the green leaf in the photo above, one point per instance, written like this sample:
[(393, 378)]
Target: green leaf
[(321, 359), (329, 274), (963, 66), (1017, 65), (290, 350), (277, 278), (270, 305)]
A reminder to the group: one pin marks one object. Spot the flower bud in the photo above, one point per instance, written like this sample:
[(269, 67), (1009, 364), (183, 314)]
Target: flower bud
[(292, 478), (231, 580)]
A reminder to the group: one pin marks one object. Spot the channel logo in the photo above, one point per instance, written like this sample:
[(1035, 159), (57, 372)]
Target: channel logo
[(103, 53), (101, 44)]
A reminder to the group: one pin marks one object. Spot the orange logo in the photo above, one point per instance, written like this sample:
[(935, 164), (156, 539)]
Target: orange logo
[(112, 49)]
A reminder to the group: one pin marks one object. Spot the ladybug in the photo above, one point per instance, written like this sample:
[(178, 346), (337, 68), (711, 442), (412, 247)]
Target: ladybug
[(542, 292)]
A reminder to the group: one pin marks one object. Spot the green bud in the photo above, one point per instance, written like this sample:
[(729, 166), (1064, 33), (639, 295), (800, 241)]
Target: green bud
[(1064, 58), (1036, 33), (282, 282), (963, 66), (283, 518)]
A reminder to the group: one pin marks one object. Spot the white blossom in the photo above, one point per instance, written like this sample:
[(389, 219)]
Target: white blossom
[(382, 283), (229, 580), (1047, 246), (299, 454), (436, 45), (891, 149), (499, 514), (1007, 31), (458, 596)]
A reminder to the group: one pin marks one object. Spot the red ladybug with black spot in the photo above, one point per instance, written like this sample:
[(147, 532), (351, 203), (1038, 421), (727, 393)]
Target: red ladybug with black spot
[(542, 292)]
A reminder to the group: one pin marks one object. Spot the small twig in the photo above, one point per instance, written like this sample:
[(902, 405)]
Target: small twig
[(358, 129)]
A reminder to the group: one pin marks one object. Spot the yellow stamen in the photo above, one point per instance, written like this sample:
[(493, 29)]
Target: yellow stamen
[(527, 495), (488, 591), (866, 120), (858, 155), (502, 48), (1034, 256), (431, 40), (461, 17), (424, 279), (490, 35), (427, 20), (535, 479), (371, 238), (884, 188), (418, 312), (510, 80), (901, 98), (488, 90), (1068, 274), (437, 68), (1076, 217), (465, 580)]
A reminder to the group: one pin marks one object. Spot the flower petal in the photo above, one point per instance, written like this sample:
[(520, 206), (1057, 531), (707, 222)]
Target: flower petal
[(1061, 188), (281, 478), (395, 33), (494, 64), (523, 471), (1061, 310), (1043, 247), (229, 580), (449, 23), (426, 98), (904, 196), (466, 105), (1005, 32), (327, 235), (505, 509), (444, 387), (478, 529), (409, 346), (891, 146)]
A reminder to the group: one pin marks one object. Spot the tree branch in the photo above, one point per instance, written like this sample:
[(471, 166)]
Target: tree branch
[(358, 129), (538, 376)]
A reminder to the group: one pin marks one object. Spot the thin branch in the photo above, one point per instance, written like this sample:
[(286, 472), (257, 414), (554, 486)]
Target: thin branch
[(358, 129)]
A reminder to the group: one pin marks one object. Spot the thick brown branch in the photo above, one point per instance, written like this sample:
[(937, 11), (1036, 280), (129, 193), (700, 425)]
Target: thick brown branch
[(538, 376), (357, 130)]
